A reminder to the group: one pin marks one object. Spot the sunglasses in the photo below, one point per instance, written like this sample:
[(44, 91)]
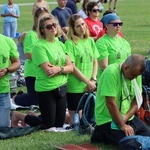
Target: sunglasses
[(41, 9), (50, 26), (95, 10), (115, 24)]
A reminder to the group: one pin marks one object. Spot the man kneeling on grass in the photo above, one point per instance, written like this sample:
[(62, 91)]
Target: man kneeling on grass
[(116, 102)]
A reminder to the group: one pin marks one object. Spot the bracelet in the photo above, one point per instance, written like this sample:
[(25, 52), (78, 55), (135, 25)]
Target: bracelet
[(7, 71), (61, 70), (94, 79)]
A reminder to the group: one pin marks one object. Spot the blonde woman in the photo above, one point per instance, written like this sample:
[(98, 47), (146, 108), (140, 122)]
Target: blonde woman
[(83, 54), (52, 65)]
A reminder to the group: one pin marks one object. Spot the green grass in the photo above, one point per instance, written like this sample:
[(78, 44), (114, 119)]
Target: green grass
[(136, 29)]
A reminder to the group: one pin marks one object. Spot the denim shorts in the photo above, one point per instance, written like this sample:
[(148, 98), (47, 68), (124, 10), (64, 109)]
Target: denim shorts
[(5, 107)]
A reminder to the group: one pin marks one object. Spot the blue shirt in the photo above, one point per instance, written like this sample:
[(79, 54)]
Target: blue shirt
[(6, 10), (72, 5), (62, 15)]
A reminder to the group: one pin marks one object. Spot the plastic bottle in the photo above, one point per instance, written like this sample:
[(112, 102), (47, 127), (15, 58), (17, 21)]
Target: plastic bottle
[(76, 121), (13, 80)]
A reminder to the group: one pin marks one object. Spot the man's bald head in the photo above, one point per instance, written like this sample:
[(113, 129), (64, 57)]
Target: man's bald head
[(133, 66)]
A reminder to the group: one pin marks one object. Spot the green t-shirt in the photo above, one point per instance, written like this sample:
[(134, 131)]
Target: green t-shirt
[(7, 48), (116, 49), (82, 55), (30, 39), (54, 53), (110, 84)]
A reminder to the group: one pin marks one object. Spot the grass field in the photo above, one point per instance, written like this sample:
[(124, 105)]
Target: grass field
[(136, 29)]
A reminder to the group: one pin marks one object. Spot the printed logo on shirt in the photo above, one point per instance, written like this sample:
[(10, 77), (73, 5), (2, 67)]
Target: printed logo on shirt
[(97, 29)]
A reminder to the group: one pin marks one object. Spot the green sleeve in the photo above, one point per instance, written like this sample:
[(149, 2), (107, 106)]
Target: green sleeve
[(39, 55), (70, 49), (29, 41), (102, 48)]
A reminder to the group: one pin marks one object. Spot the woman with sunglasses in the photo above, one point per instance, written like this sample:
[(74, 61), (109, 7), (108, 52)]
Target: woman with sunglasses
[(112, 48), (84, 54), (93, 22), (52, 64)]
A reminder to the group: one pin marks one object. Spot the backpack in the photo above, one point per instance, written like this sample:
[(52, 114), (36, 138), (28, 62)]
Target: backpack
[(144, 111), (146, 74), (87, 121), (135, 142)]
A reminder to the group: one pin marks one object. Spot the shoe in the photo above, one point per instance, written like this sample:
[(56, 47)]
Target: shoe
[(70, 127), (86, 130), (34, 108)]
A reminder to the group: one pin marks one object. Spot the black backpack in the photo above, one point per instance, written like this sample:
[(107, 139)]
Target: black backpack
[(87, 121), (146, 74)]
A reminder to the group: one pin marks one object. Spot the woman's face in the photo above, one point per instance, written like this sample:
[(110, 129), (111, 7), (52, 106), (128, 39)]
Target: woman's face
[(80, 27), (94, 12), (50, 28), (114, 26)]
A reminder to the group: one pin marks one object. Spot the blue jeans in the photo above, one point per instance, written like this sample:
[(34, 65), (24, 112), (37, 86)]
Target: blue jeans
[(10, 29), (21, 53), (5, 107)]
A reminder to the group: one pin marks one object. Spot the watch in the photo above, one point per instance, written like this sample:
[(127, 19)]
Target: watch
[(7, 71), (61, 70), (94, 78)]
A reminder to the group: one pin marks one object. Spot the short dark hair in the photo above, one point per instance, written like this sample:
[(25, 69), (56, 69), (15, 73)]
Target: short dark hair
[(90, 6), (110, 11)]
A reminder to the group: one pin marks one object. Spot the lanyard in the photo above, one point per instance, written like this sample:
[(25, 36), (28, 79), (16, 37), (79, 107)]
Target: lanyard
[(125, 85)]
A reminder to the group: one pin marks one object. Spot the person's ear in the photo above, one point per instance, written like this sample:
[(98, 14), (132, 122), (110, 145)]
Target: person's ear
[(126, 67)]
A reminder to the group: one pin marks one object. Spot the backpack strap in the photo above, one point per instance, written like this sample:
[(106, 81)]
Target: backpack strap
[(90, 96), (81, 101)]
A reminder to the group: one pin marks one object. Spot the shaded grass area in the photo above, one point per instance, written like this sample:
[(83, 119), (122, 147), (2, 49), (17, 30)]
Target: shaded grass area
[(41, 140)]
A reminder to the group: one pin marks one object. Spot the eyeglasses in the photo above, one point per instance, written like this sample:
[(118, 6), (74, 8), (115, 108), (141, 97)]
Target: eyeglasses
[(50, 26), (115, 24), (95, 10)]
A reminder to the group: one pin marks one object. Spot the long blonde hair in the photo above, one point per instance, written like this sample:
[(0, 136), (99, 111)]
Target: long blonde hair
[(41, 23), (71, 32)]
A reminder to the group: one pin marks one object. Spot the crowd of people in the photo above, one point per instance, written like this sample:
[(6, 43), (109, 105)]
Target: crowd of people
[(65, 54)]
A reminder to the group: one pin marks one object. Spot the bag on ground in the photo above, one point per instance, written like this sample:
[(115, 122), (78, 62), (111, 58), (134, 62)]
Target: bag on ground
[(135, 142), (9, 132), (146, 74), (87, 121)]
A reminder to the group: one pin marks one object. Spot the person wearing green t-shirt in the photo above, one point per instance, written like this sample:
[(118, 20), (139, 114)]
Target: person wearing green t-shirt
[(83, 54), (29, 98), (52, 64), (112, 48), (9, 62), (117, 101)]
